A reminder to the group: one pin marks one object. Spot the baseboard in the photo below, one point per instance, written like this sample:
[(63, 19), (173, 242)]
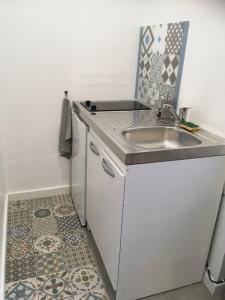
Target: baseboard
[(3, 250), (215, 289), (46, 192)]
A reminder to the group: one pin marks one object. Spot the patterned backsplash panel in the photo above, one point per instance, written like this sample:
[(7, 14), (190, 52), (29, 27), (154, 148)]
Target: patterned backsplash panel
[(160, 63)]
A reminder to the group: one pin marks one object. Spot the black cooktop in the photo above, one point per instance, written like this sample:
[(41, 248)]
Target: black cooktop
[(97, 106)]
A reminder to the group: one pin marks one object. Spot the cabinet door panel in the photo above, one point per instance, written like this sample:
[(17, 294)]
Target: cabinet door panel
[(105, 191), (110, 216), (93, 189)]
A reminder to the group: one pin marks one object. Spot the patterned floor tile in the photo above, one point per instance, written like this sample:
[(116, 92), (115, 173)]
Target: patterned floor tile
[(67, 223), (93, 295), (78, 257), (64, 210), (43, 296), (41, 213), (19, 249), (44, 226), (86, 279), (19, 216), (19, 231), (47, 244), (62, 199), (74, 237), (54, 286), (19, 205), (25, 289), (41, 203), (49, 263), (19, 269)]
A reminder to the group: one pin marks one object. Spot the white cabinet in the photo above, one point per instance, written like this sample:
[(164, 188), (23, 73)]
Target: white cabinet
[(152, 223), (168, 221), (105, 192)]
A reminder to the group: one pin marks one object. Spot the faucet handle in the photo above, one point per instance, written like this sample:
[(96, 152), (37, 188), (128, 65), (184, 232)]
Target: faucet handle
[(160, 105), (167, 105), (162, 102)]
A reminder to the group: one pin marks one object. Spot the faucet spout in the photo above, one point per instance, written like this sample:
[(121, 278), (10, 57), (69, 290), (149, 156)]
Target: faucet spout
[(172, 111)]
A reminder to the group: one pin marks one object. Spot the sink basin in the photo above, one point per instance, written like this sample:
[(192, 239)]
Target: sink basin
[(160, 137)]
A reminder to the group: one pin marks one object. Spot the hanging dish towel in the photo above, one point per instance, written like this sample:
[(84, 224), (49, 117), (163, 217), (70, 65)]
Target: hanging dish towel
[(65, 136)]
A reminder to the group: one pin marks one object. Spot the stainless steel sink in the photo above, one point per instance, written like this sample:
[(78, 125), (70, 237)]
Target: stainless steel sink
[(140, 137), (160, 137)]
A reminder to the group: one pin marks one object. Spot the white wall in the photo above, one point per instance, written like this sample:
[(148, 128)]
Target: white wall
[(90, 48)]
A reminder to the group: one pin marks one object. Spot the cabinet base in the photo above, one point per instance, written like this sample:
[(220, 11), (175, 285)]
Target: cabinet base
[(215, 289)]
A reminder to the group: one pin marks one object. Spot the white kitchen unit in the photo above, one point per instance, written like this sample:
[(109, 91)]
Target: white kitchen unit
[(79, 157), (152, 223)]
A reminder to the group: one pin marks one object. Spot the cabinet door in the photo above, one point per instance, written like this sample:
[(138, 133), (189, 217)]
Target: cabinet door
[(93, 190), (79, 166), (104, 207)]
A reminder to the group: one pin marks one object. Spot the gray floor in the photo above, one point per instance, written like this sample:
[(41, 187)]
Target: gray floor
[(192, 292)]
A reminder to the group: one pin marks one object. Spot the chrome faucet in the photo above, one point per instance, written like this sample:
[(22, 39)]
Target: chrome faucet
[(172, 111), (165, 106)]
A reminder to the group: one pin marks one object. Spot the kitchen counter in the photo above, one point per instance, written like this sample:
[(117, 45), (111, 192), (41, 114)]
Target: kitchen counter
[(109, 125)]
